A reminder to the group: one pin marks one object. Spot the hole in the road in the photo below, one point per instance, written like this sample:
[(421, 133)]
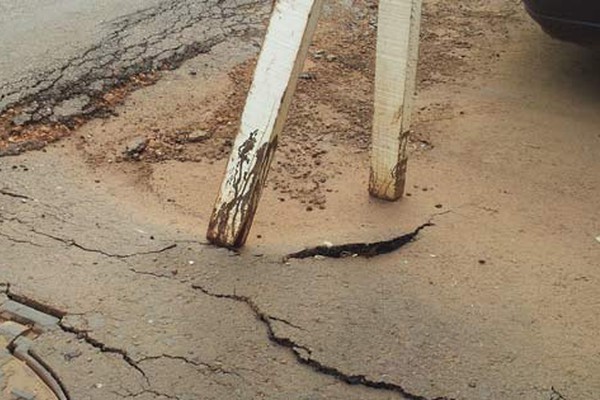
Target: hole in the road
[(23, 374), (360, 249)]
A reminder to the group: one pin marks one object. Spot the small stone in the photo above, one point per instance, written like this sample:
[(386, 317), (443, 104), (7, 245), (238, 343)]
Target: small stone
[(72, 107), (319, 54), (97, 87), (308, 76), (71, 355), (21, 119), (135, 146), (598, 239), (198, 136), (331, 57)]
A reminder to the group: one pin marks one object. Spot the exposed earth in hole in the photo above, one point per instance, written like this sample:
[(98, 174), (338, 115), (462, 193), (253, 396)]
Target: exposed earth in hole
[(102, 226)]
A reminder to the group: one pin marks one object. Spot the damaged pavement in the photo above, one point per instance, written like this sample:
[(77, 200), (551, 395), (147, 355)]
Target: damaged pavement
[(472, 288), (125, 315), (146, 311), (99, 50)]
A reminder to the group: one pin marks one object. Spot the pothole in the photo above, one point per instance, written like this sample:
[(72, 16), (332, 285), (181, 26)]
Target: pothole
[(23, 374), (360, 249)]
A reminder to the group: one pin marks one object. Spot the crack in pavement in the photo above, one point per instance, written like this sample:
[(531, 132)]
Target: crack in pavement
[(8, 193), (104, 348), (146, 391), (288, 323), (149, 40), (556, 395), (73, 243), (367, 250), (5, 288), (303, 354), (212, 368), (23, 350), (153, 274), (19, 241), (82, 334)]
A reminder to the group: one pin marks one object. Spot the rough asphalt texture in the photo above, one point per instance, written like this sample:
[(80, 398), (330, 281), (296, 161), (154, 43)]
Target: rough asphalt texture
[(180, 322), (498, 301), (59, 55)]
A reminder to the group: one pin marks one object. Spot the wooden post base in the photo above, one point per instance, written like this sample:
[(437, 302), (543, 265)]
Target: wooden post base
[(281, 60), (395, 77)]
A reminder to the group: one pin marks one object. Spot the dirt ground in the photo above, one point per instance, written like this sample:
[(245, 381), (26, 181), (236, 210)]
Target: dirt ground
[(498, 300)]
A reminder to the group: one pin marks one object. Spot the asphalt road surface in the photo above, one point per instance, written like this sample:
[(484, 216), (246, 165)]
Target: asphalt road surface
[(499, 300), (58, 55)]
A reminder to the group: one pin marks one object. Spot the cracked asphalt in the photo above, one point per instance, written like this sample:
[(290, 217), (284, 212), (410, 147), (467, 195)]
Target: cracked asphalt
[(496, 299), (132, 322), (61, 56)]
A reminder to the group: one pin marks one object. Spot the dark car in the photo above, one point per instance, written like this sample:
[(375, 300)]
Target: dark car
[(571, 20)]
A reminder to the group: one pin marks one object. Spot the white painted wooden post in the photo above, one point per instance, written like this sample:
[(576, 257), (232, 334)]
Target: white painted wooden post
[(288, 37), (397, 55)]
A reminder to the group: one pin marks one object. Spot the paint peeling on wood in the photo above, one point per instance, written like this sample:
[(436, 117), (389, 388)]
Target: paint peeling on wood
[(230, 224), (280, 63), (397, 56)]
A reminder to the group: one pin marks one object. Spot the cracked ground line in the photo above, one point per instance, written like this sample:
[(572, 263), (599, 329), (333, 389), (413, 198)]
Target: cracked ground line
[(104, 348), (73, 243), (84, 335), (367, 250), (5, 288), (303, 354), (33, 319), (19, 241), (198, 364), (14, 195), (46, 208), (146, 391), (224, 17)]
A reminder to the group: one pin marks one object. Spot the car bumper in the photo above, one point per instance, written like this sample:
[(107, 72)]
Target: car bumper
[(568, 29)]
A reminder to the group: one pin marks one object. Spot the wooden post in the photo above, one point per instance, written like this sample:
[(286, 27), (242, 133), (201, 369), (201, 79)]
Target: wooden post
[(397, 55), (285, 47)]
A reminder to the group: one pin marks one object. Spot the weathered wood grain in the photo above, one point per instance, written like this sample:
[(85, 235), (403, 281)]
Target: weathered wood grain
[(288, 37), (397, 56)]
